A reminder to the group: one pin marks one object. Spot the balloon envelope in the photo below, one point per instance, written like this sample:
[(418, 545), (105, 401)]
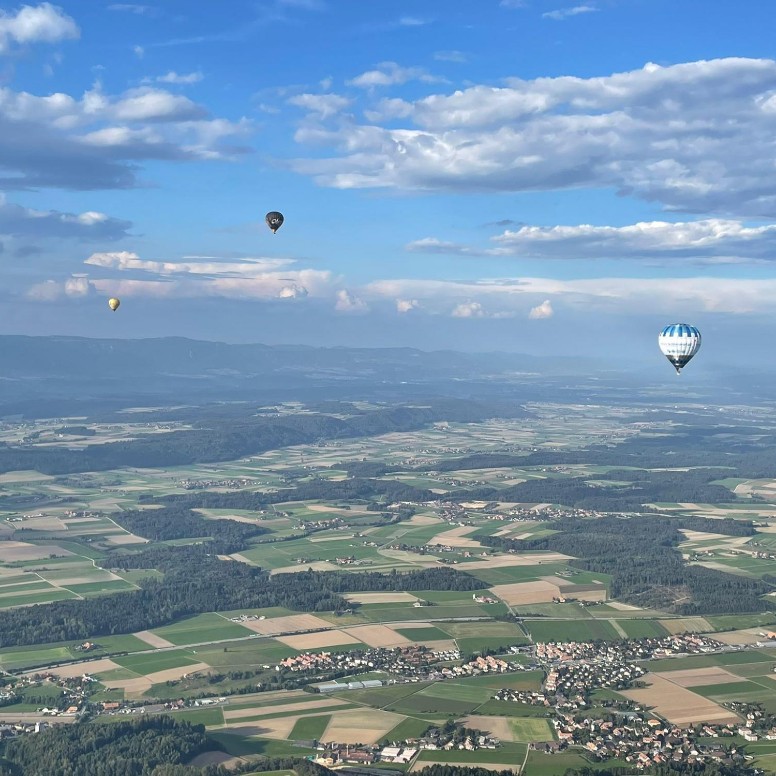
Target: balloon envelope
[(274, 220), (113, 303), (679, 342)]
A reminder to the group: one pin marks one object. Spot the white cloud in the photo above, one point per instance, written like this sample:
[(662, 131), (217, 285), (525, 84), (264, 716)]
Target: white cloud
[(244, 268), (711, 240), (451, 56), (172, 77), (406, 305), (96, 141), (22, 222), (468, 310), (693, 137), (350, 303), (565, 13), (412, 21), (138, 51), (670, 296), (324, 105), (147, 104), (544, 310), (140, 10), (512, 4), (250, 278), (392, 74), (44, 23)]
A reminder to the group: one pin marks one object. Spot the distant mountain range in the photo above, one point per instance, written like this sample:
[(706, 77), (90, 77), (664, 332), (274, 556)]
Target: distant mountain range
[(68, 373)]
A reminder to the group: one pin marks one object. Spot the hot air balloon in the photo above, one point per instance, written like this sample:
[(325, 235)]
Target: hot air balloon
[(113, 303), (274, 220), (679, 342)]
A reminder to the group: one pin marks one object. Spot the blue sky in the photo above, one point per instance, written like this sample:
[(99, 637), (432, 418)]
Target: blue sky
[(529, 175)]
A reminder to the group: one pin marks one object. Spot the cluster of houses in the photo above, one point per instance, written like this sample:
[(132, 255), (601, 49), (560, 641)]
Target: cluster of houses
[(248, 617), (644, 741), (576, 680), (403, 752), (411, 662), (242, 482), (641, 649)]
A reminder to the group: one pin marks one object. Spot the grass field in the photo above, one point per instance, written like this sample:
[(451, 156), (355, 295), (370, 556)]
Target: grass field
[(638, 629), (201, 629), (582, 630), (423, 635), (160, 661), (310, 728)]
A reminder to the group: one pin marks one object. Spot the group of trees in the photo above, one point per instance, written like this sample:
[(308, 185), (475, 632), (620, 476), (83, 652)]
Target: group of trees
[(175, 522), (647, 569), (203, 583)]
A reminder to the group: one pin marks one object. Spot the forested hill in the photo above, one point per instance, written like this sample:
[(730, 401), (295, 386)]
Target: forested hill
[(156, 745), (647, 569), (232, 438)]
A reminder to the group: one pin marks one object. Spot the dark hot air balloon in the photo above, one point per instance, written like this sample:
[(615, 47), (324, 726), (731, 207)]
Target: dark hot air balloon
[(274, 220)]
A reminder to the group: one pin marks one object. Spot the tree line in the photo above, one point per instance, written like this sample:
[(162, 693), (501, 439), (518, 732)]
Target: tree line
[(641, 556), (203, 583)]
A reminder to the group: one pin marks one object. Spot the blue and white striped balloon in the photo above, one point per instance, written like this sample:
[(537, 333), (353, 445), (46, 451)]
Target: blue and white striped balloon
[(679, 342)]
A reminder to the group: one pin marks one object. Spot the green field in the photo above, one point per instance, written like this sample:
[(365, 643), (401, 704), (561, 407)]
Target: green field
[(582, 630), (310, 728), (456, 691), (639, 629), (156, 661), (423, 635), (202, 629), (531, 729)]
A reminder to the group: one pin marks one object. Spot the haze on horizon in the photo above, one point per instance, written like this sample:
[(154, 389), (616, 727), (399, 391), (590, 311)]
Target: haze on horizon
[(540, 176)]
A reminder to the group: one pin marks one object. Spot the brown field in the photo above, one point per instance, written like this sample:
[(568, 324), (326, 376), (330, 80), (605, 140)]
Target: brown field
[(365, 726), (214, 758), (133, 688), (697, 677), (317, 565), (84, 579), (415, 558), (377, 636), (336, 538), (524, 559), (171, 674), (79, 669), (11, 551), (24, 476), (381, 598), (747, 636), (683, 624), (125, 538), (295, 623), (278, 729), (41, 524), (306, 641), (456, 537), (624, 607), (443, 645), (152, 639), (421, 764), (256, 711), (422, 520), (338, 510), (526, 592), (677, 704)]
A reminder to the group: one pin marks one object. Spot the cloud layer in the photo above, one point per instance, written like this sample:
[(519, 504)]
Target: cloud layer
[(712, 240), (695, 137)]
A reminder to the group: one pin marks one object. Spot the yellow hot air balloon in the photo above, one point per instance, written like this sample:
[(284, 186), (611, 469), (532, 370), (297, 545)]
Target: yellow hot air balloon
[(113, 303)]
